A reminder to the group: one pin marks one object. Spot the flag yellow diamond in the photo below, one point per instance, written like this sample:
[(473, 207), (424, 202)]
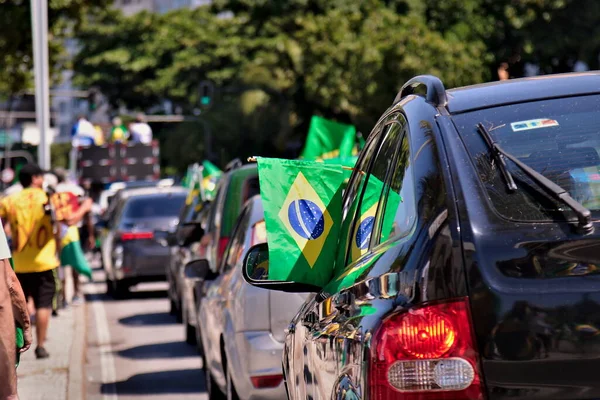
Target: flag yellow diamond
[(306, 218)]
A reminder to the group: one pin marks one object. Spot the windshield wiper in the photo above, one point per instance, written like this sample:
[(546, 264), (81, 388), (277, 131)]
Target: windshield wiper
[(584, 215)]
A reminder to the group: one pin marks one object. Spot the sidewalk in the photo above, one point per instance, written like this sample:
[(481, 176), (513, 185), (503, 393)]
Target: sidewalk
[(59, 377)]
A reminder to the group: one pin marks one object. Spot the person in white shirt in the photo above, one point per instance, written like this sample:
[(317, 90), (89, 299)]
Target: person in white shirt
[(140, 131), (83, 133)]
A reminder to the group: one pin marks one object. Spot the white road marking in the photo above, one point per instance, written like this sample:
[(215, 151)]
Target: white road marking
[(107, 361)]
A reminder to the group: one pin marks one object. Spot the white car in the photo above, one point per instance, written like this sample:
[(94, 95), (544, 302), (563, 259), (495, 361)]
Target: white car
[(241, 327)]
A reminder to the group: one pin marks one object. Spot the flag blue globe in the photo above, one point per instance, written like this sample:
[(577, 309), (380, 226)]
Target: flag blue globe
[(306, 218), (363, 233)]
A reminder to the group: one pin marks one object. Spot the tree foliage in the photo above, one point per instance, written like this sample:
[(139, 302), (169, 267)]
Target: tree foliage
[(16, 54), (278, 62)]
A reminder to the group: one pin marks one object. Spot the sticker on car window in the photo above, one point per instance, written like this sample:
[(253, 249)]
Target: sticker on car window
[(533, 124)]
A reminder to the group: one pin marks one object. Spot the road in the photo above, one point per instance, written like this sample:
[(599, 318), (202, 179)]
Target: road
[(135, 349)]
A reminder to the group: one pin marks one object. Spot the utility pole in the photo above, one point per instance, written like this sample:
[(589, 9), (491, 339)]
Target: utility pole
[(39, 28)]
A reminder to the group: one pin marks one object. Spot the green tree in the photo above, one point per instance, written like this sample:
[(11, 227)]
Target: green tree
[(16, 54)]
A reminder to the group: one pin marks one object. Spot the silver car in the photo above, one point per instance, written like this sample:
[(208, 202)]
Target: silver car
[(130, 252), (241, 327)]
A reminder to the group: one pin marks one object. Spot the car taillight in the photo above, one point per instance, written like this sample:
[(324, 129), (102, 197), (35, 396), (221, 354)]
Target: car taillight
[(426, 353), (266, 381), (222, 246), (125, 236)]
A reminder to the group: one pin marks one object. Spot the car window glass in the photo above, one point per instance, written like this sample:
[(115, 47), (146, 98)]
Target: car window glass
[(154, 206), (398, 203), (213, 208), (352, 194), (235, 248), (364, 221)]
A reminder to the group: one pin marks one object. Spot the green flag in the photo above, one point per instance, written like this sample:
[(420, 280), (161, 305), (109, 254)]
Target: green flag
[(210, 177), (302, 201), (359, 230), (328, 139)]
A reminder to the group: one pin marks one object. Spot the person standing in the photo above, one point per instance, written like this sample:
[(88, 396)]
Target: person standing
[(140, 131), (118, 133), (72, 254), (83, 132), (34, 246), (13, 310)]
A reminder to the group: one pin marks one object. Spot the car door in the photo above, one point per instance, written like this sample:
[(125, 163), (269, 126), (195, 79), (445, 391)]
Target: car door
[(212, 306), (308, 361), (108, 240)]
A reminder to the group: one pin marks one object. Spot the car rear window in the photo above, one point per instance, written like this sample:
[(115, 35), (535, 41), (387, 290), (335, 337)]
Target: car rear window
[(560, 138), (164, 205)]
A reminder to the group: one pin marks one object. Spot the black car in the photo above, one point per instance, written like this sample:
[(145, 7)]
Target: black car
[(130, 251), (478, 276)]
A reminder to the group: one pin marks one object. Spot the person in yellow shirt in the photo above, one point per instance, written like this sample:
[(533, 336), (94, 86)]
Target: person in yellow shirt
[(34, 245)]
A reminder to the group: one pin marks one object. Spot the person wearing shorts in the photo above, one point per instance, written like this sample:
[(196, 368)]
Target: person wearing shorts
[(34, 247)]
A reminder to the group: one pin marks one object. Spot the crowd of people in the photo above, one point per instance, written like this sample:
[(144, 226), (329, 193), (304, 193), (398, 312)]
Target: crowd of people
[(40, 235), (84, 133)]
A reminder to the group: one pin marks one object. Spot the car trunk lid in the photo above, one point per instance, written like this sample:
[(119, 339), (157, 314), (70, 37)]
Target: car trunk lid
[(536, 314)]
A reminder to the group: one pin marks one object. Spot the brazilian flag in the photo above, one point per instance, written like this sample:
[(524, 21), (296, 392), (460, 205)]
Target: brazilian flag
[(72, 254), (329, 139), (302, 202), (359, 230), (210, 177)]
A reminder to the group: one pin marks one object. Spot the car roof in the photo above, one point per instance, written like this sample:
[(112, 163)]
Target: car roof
[(513, 91), (127, 193)]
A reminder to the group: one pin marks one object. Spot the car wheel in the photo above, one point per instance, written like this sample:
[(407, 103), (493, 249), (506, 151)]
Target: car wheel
[(231, 392), (173, 307), (179, 311), (212, 389), (109, 287), (190, 334)]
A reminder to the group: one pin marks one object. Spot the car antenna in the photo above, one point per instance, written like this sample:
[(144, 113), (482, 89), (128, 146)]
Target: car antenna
[(584, 215)]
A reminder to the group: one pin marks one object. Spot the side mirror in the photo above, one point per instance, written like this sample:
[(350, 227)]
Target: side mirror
[(190, 232), (164, 237), (255, 270), (199, 269)]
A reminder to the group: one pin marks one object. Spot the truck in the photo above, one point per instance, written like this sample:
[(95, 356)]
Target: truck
[(117, 163)]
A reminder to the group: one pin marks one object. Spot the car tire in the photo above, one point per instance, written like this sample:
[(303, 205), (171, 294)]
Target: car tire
[(109, 287), (173, 307), (212, 389), (231, 392), (190, 334)]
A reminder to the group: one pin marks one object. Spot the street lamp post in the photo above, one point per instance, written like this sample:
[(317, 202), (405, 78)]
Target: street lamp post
[(39, 28)]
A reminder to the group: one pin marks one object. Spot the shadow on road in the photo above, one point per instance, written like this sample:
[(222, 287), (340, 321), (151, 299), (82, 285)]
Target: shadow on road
[(141, 295), (159, 350), (158, 318), (163, 382)]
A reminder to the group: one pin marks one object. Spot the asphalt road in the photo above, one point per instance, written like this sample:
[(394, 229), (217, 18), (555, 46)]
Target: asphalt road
[(135, 349)]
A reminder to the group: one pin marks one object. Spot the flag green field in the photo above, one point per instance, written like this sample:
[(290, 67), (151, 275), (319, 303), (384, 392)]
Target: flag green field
[(329, 139), (302, 203), (71, 253)]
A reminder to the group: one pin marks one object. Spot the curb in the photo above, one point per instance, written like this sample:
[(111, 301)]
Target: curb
[(75, 381)]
